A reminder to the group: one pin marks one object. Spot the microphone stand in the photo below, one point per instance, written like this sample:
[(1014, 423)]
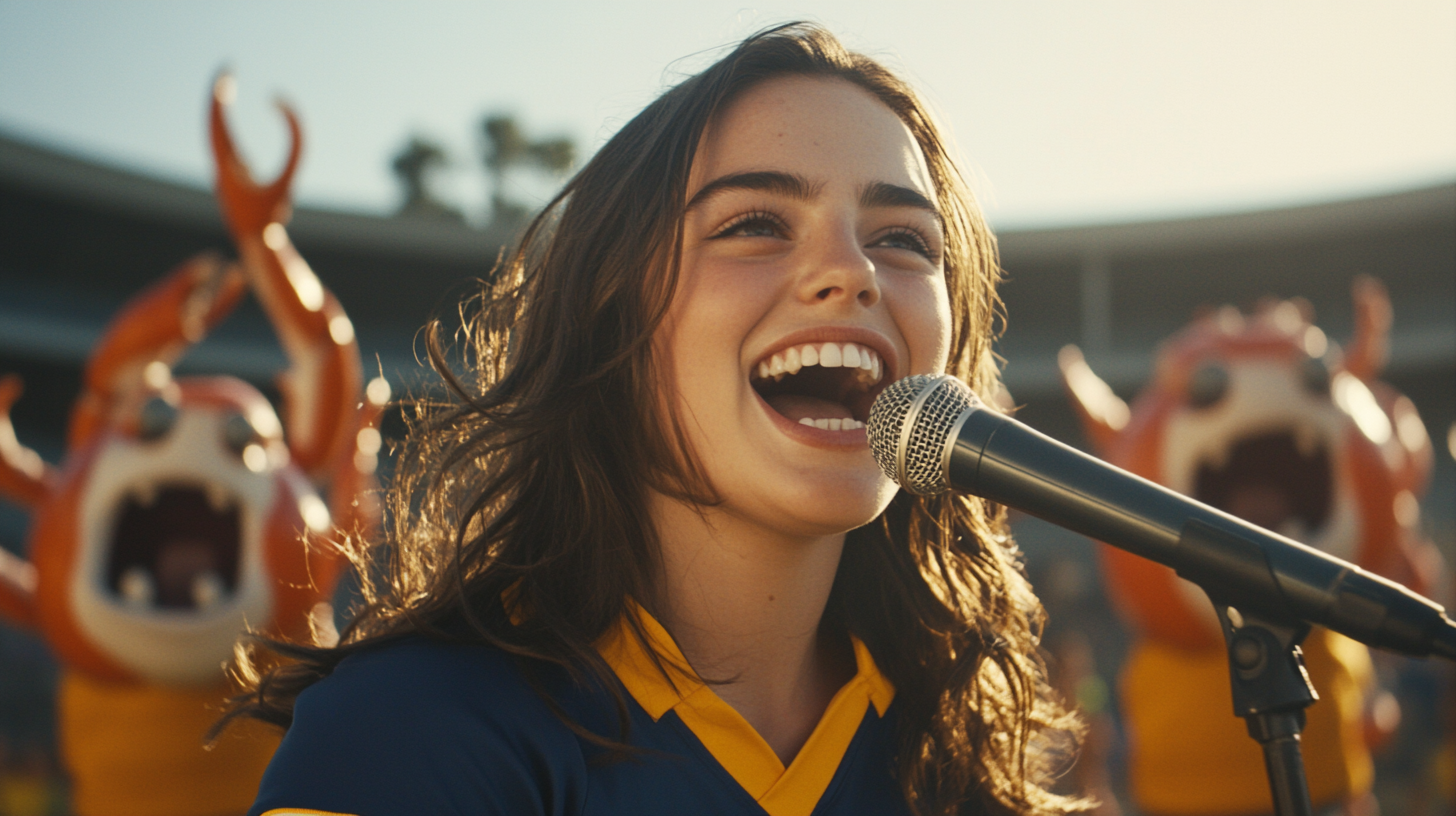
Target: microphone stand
[(1271, 689)]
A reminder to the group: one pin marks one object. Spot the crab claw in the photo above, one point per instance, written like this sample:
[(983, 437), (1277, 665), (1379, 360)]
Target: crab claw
[(23, 474), (24, 478), (321, 387), (1370, 347), (247, 206), (17, 590), (150, 333), (355, 491)]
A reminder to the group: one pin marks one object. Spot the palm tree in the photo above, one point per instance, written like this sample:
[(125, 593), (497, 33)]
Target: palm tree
[(413, 166), (505, 147)]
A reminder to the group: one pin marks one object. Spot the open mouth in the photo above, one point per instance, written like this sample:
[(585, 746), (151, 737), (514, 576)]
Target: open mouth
[(1280, 480), (829, 386), (175, 546)]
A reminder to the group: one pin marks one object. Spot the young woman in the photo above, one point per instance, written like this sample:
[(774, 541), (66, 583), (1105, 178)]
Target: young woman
[(646, 563)]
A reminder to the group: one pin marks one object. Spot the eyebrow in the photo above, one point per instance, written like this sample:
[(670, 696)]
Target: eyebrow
[(878, 194), (881, 194), (768, 181)]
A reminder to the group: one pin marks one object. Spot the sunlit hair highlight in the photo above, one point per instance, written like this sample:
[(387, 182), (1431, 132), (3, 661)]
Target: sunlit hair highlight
[(518, 510)]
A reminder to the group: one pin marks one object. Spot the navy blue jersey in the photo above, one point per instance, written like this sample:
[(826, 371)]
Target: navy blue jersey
[(420, 727)]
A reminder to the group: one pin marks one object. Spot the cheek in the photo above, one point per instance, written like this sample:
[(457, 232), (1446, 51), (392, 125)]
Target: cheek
[(716, 307), (699, 340), (922, 312)]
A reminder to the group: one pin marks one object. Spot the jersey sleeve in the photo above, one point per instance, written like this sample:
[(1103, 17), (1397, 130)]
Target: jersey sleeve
[(424, 728)]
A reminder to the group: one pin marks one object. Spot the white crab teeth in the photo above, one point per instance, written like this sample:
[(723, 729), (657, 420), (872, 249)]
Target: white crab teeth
[(810, 355), (207, 589), (830, 356), (1217, 458), (137, 588), (218, 497), (1306, 439), (1293, 528), (776, 365), (851, 355), (833, 424)]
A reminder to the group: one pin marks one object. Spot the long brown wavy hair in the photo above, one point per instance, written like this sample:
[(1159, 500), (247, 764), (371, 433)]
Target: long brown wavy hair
[(527, 488)]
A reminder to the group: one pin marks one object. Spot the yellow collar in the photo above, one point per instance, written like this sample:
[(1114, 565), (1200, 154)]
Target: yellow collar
[(791, 791)]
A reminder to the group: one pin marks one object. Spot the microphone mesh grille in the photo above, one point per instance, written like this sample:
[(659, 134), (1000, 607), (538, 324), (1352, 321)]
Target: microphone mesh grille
[(928, 405), (887, 417)]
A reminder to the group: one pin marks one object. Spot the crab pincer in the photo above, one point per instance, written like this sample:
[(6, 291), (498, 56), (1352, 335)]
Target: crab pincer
[(322, 384), (154, 329)]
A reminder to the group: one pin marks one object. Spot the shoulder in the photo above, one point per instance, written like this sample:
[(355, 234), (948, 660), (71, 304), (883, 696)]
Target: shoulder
[(421, 674), (415, 690), (420, 726)]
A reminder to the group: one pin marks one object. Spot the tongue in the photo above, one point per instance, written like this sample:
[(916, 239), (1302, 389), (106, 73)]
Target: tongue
[(179, 562), (799, 406)]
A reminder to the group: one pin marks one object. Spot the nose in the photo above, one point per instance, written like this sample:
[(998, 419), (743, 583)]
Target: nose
[(837, 271)]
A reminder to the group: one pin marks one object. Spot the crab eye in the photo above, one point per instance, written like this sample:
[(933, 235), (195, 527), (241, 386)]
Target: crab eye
[(1207, 385), (1314, 375), (238, 433), (156, 418)]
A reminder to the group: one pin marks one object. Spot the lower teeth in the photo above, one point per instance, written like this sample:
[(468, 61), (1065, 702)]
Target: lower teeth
[(833, 424), (137, 588)]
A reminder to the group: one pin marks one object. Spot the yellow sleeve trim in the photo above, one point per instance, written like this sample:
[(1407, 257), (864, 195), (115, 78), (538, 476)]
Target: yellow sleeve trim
[(298, 812)]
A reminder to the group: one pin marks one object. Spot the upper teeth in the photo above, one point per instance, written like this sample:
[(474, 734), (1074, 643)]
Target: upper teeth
[(825, 355), (145, 494), (218, 497)]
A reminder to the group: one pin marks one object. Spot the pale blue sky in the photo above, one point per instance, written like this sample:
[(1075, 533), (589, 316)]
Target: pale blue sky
[(1066, 112)]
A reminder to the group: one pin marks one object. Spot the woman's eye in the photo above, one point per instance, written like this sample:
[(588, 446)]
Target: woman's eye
[(753, 225), (905, 239)]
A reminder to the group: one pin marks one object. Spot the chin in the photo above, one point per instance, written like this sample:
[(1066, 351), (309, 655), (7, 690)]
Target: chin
[(831, 506)]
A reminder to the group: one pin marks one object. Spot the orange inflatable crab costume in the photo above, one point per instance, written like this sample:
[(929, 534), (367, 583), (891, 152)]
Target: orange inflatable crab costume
[(1258, 416), (185, 512)]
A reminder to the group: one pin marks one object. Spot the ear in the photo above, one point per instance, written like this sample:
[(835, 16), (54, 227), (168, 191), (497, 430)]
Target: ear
[(1371, 344), (1102, 412)]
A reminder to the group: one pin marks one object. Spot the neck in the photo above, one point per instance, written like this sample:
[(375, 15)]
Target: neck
[(745, 605)]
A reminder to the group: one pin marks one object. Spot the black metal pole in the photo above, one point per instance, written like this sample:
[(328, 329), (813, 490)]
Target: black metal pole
[(1271, 689), (1279, 736)]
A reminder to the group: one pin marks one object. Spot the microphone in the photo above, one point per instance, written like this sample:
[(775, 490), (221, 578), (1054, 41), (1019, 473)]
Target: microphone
[(931, 434)]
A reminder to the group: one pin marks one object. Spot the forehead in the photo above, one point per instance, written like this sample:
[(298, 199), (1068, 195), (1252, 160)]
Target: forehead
[(827, 130)]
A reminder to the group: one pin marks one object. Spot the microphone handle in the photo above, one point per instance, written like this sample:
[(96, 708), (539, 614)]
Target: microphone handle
[(1236, 563)]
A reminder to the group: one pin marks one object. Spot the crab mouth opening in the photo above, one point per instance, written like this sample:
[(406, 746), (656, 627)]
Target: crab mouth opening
[(1280, 480), (175, 546), (824, 385)]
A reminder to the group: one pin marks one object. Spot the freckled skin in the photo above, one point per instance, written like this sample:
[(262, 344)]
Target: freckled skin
[(737, 296), (762, 269)]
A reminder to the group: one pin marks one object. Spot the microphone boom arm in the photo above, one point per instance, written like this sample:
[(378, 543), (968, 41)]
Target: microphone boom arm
[(1245, 566), (930, 434)]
